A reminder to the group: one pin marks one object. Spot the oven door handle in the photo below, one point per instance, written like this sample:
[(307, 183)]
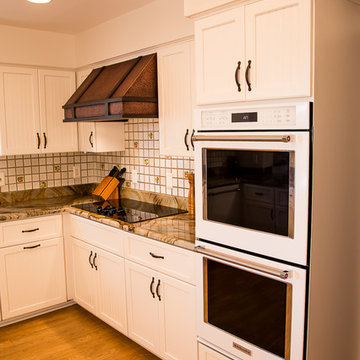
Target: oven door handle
[(272, 138), (282, 274)]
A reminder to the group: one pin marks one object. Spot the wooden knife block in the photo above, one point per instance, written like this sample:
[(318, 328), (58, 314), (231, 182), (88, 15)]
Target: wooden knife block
[(109, 188)]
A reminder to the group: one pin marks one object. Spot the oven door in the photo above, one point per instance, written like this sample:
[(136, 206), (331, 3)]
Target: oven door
[(250, 307), (252, 192)]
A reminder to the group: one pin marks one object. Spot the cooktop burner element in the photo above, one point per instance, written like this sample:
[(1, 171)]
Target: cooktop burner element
[(130, 211)]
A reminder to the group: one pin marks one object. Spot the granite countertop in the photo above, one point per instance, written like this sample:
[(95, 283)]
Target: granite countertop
[(177, 230)]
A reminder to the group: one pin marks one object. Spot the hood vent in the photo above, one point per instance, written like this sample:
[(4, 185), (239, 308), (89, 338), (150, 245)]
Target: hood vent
[(116, 92)]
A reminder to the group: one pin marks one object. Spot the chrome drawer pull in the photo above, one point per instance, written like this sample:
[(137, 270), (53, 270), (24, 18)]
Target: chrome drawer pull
[(156, 256), (32, 230)]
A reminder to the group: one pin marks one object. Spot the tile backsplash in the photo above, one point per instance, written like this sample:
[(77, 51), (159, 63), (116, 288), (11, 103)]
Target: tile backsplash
[(142, 154)]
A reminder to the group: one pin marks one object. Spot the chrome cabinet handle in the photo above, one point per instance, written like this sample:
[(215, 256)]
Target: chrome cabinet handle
[(247, 75), (185, 139), (38, 140), (237, 76), (157, 290), (282, 274), (92, 265), (31, 247), (156, 256), (95, 266), (90, 137), (151, 287), (29, 231), (45, 141)]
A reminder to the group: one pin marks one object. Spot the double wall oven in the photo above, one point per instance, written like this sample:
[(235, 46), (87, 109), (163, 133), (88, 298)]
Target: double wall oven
[(252, 198)]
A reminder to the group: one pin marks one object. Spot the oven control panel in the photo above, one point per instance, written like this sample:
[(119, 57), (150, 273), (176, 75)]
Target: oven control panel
[(285, 117)]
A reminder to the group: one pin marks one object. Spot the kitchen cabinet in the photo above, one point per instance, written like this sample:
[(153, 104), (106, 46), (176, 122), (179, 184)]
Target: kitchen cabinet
[(175, 90), (161, 313), (32, 272), (98, 271), (255, 51), (99, 283), (99, 136), (31, 111), (55, 88)]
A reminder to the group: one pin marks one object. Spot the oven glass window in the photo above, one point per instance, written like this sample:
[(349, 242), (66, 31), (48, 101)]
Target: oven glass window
[(251, 189), (251, 307)]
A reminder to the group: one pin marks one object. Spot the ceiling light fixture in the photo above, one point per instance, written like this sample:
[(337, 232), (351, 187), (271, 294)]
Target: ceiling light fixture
[(39, 1)]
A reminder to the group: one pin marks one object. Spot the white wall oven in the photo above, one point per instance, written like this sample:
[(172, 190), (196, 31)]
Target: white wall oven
[(248, 308), (251, 199), (252, 186)]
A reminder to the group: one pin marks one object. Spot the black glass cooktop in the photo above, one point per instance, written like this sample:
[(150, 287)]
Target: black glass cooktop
[(130, 211)]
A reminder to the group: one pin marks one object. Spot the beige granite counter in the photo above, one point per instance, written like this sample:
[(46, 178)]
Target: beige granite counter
[(177, 230)]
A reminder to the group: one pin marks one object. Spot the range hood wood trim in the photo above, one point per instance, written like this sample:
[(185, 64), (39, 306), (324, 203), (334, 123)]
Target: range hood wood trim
[(110, 118)]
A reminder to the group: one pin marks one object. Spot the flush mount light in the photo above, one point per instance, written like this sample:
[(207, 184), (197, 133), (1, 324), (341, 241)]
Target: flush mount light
[(39, 1)]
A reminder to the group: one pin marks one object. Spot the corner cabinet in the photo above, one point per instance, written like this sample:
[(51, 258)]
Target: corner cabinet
[(254, 52), (31, 115), (175, 89)]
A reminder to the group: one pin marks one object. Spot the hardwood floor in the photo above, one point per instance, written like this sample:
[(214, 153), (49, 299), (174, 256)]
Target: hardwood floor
[(67, 334)]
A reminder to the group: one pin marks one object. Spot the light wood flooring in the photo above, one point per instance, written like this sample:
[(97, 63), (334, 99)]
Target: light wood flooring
[(67, 334)]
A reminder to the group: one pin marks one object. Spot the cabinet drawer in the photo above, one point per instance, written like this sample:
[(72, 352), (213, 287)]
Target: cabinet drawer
[(23, 231), (168, 259), (103, 236)]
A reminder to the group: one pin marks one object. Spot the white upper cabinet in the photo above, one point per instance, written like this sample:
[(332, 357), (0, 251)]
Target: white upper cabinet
[(175, 99), (257, 51), (19, 111), (220, 54), (99, 136), (55, 89), (278, 44), (31, 114)]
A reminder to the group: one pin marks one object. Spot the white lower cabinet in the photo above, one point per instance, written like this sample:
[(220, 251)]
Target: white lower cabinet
[(99, 283), (161, 313), (32, 277)]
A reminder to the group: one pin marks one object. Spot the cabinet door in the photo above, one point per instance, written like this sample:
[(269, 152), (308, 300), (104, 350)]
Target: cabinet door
[(175, 99), (111, 290), (87, 141), (19, 111), (55, 89), (278, 44), (177, 319), (219, 47), (143, 307), (85, 275), (32, 277)]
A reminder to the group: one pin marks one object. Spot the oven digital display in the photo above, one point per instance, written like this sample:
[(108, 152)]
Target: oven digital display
[(244, 117)]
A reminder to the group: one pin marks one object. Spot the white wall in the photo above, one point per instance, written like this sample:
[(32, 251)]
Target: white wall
[(334, 272), (159, 22), (36, 48)]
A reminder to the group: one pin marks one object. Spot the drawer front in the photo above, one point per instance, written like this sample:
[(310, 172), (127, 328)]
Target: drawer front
[(168, 259), (259, 193), (34, 229), (103, 236)]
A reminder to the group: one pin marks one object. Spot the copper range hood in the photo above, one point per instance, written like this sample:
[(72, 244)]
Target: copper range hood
[(116, 92)]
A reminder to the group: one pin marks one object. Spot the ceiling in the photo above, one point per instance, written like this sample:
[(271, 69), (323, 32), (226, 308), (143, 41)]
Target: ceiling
[(64, 16)]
